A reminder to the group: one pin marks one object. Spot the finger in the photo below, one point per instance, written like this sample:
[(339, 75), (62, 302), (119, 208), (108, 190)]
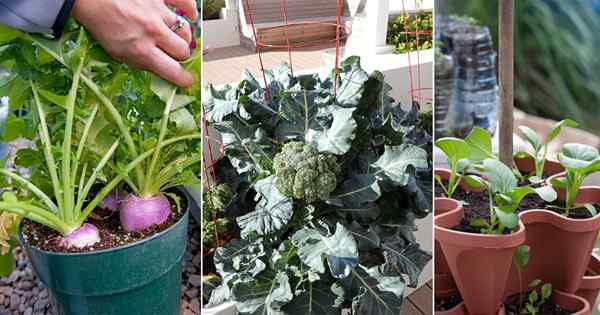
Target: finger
[(187, 6), (184, 32), (171, 43), (168, 68)]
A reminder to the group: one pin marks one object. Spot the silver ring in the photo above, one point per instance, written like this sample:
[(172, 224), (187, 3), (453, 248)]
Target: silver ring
[(178, 24)]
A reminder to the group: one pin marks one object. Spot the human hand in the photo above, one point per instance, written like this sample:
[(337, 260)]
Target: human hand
[(139, 33)]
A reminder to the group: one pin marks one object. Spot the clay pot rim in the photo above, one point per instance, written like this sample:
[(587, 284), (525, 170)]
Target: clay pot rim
[(464, 239), (591, 282), (457, 203), (560, 221), (585, 310), (459, 309)]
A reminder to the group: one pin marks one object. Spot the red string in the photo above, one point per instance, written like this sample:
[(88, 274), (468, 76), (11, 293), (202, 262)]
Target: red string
[(258, 49), (340, 11), (287, 39)]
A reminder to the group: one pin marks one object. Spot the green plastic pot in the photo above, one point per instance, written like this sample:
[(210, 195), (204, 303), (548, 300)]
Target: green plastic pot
[(142, 278)]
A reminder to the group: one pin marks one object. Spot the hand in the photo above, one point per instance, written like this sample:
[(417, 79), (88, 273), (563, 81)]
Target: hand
[(138, 32)]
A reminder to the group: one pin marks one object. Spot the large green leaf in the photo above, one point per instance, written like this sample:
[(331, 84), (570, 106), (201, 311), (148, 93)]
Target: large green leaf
[(240, 260), (357, 190), (219, 102), (337, 136), (247, 147), (351, 81), (577, 156), (480, 142), (265, 296), (315, 299), (454, 149), (395, 161), (409, 260), (273, 210), (339, 249), (499, 176), (375, 292)]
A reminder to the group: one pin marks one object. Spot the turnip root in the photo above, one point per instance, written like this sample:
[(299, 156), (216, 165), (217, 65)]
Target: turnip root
[(137, 213), (86, 235)]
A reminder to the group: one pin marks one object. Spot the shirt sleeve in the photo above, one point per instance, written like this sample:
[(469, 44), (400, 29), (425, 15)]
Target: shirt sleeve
[(36, 16)]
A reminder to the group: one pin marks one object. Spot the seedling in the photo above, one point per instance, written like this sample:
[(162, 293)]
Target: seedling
[(504, 196), (457, 151), (579, 161), (535, 299), (540, 149)]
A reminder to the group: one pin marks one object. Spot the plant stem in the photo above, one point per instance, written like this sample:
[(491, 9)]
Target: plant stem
[(51, 164), (32, 188), (36, 214), (147, 191), (69, 182)]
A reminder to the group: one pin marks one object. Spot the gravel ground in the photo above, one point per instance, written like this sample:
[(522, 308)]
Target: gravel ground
[(23, 293)]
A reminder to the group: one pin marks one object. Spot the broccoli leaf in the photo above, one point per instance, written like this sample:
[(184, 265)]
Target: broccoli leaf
[(266, 295), (396, 159), (273, 210), (315, 299), (376, 293), (339, 249)]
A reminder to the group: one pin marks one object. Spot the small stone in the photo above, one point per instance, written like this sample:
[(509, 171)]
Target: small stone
[(197, 260), (192, 293), (14, 302), (6, 291), (187, 311), (195, 306), (40, 305), (44, 294), (28, 311), (195, 280)]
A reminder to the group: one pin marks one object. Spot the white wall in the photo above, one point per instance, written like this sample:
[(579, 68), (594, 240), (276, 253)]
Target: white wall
[(223, 32)]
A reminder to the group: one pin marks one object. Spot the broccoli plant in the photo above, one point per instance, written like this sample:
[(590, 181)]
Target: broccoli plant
[(579, 161), (304, 173), (504, 194), (540, 149), (330, 186)]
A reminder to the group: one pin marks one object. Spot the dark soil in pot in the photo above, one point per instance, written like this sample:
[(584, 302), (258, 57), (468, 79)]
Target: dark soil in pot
[(447, 303), (517, 302), (108, 223)]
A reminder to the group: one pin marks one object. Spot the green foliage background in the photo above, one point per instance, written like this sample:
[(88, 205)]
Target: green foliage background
[(557, 65)]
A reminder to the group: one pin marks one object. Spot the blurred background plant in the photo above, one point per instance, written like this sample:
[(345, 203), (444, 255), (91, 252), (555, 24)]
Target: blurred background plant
[(404, 25), (211, 8), (557, 69)]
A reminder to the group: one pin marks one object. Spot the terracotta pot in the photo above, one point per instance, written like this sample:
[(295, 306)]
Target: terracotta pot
[(459, 309), (577, 305), (479, 263), (443, 278), (526, 165), (560, 247), (590, 285), (445, 174)]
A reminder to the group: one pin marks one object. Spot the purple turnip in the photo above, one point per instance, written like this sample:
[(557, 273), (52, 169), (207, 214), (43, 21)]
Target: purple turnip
[(111, 201), (86, 235), (138, 213)]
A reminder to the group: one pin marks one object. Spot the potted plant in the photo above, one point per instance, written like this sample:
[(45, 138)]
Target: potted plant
[(542, 299), (484, 244), (444, 283), (568, 227), (537, 165), (330, 183), (84, 144)]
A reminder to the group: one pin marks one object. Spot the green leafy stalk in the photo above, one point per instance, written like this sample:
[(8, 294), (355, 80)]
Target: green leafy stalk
[(147, 190)]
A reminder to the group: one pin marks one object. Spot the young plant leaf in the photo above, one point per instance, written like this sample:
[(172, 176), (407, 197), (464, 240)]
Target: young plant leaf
[(546, 291), (557, 127), (521, 256), (508, 219), (455, 149), (480, 142), (499, 176), (531, 137)]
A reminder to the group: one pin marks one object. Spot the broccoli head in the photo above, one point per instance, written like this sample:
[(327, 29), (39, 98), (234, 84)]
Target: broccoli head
[(304, 173)]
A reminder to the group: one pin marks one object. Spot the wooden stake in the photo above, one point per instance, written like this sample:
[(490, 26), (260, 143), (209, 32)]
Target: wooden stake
[(506, 75)]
